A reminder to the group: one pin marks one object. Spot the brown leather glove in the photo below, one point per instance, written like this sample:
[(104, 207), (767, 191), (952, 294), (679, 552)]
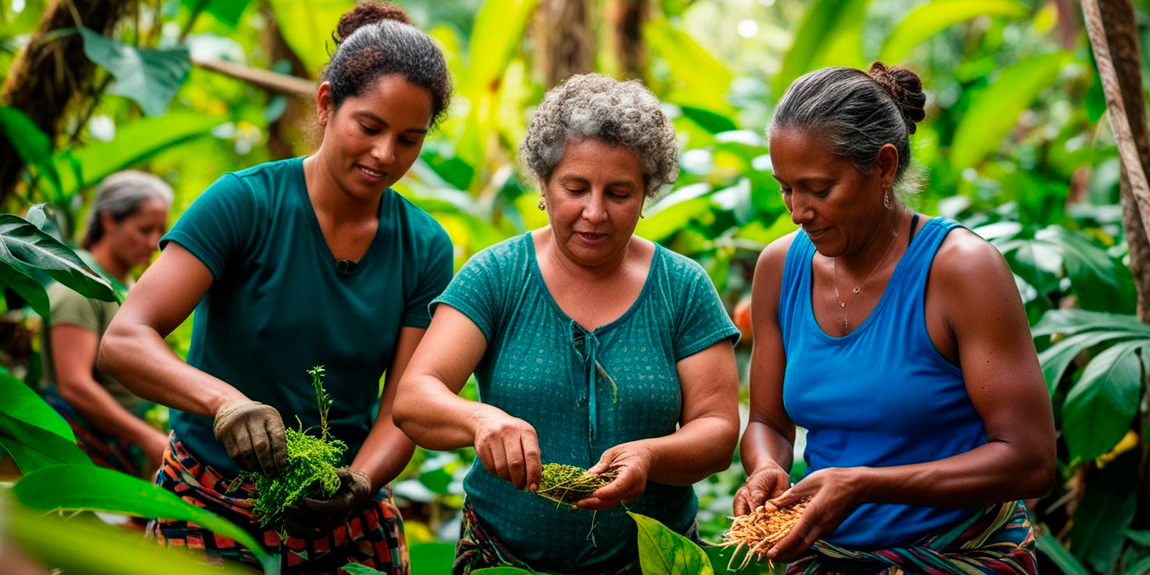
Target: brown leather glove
[(253, 434), (313, 518)]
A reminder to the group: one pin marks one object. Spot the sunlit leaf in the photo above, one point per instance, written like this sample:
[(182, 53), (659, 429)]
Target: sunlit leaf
[(1099, 408), (697, 79), (830, 33), (226, 11), (139, 140), (85, 546), (664, 552), (148, 76), (90, 488), (932, 17), (32, 432), (1056, 358), (307, 26), (31, 144), (994, 109), (1072, 321)]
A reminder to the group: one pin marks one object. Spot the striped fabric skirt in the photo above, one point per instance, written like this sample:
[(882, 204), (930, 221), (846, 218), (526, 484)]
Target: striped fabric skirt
[(104, 449), (372, 536), (997, 540)]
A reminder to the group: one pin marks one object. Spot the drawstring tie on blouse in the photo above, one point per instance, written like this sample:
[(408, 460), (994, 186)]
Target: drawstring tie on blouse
[(587, 347)]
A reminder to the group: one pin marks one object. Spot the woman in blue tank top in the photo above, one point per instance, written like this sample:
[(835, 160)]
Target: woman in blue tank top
[(900, 343)]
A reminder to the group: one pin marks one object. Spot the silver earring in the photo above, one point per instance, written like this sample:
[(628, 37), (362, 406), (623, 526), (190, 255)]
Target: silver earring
[(886, 199)]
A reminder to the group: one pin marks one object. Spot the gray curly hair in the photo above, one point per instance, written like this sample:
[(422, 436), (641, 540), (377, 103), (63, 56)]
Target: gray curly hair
[(598, 107)]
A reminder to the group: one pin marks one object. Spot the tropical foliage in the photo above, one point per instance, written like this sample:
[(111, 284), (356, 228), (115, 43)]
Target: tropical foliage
[(1015, 146)]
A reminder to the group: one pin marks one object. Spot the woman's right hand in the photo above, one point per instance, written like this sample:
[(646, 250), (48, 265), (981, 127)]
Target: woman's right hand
[(766, 482), (253, 434), (508, 447)]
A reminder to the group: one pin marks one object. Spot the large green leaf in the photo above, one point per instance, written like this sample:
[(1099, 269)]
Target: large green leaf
[(994, 109), (83, 167), (431, 558), (830, 34), (1100, 283), (26, 247), (90, 488), (148, 76), (307, 26), (932, 17), (85, 546), (22, 283), (1072, 321), (32, 432), (1099, 408), (1059, 555), (698, 81), (1104, 512), (226, 11), (664, 552), (31, 144), (495, 37), (1056, 358)]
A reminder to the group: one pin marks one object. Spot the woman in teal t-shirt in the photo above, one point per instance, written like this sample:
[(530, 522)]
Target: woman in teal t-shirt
[(293, 264), (590, 346)]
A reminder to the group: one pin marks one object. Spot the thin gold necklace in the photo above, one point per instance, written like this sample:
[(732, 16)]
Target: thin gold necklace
[(858, 288)]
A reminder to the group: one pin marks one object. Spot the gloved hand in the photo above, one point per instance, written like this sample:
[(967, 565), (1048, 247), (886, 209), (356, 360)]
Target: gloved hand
[(253, 434), (312, 518)]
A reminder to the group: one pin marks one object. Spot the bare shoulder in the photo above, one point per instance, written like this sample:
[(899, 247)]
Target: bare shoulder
[(966, 261), (774, 257)]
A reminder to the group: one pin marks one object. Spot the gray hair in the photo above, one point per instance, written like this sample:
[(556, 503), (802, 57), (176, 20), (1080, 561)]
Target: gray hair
[(601, 108), (858, 111), (120, 196)]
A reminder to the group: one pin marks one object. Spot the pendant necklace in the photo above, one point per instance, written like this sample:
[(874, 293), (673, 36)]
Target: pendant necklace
[(858, 288)]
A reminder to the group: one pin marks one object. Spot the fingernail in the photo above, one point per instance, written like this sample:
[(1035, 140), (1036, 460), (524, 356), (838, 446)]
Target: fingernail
[(533, 488)]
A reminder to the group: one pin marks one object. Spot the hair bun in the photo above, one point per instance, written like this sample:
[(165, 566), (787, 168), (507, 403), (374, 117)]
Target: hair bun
[(905, 88), (366, 13)]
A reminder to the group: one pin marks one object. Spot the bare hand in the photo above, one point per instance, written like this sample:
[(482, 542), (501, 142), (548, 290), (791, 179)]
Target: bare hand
[(508, 447), (766, 482), (631, 462), (833, 494)]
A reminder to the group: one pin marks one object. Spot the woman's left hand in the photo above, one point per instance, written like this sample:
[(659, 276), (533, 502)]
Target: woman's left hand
[(632, 462), (833, 494)]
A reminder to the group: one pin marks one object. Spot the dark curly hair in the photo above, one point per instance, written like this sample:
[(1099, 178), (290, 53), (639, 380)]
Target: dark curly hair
[(377, 39)]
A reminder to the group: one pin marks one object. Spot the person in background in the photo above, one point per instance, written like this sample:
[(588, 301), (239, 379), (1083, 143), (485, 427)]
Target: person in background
[(900, 343), (591, 347), (294, 264), (125, 221)]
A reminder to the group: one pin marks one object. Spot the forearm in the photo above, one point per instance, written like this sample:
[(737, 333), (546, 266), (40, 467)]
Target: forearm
[(434, 417), (138, 357), (697, 450), (989, 474), (98, 407), (763, 445), (385, 453)]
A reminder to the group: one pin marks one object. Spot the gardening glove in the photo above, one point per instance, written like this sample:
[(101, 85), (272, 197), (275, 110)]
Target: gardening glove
[(313, 518), (253, 434)]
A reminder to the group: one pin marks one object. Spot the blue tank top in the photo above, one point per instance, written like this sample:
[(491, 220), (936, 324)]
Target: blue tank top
[(879, 396)]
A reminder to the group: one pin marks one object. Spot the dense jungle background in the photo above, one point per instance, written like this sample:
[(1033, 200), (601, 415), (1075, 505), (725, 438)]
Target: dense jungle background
[(1017, 145)]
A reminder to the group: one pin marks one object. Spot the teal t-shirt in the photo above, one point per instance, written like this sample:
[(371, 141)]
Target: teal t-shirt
[(281, 304), (542, 367)]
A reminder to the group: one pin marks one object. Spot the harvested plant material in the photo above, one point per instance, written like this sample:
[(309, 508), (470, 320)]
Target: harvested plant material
[(759, 530), (567, 484), (311, 468)]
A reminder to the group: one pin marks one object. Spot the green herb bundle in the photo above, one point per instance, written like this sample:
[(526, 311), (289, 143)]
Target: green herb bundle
[(311, 468), (568, 484)]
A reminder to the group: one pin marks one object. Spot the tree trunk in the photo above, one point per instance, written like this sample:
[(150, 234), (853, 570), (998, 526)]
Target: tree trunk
[(564, 40), (627, 19), (1120, 24), (287, 135), (51, 72)]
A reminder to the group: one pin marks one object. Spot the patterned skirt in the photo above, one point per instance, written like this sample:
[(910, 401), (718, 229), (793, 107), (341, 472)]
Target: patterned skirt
[(104, 449), (997, 540), (478, 548), (372, 536)]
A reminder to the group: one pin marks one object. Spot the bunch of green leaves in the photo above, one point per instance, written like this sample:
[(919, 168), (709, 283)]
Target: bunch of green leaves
[(311, 468)]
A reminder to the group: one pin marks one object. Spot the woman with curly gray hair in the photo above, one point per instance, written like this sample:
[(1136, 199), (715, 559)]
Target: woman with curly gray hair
[(591, 347)]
